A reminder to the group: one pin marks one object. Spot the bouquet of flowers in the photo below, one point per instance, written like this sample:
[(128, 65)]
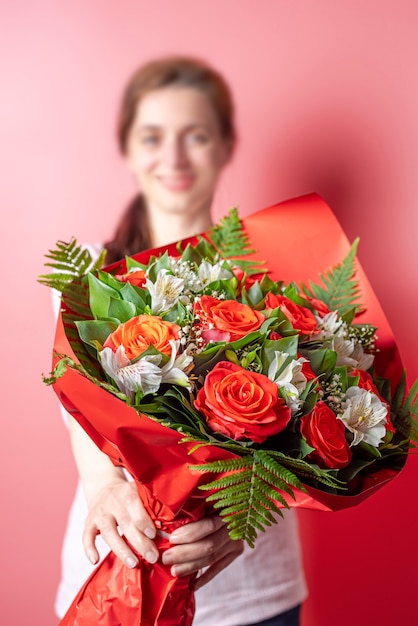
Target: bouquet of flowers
[(197, 362)]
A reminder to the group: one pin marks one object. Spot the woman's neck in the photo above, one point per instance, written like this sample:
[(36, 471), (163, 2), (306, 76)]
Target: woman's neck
[(169, 227)]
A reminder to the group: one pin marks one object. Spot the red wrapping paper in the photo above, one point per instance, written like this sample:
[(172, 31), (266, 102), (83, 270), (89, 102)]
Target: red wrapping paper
[(298, 240)]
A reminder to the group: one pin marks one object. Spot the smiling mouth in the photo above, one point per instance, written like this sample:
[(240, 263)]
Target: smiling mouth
[(177, 183)]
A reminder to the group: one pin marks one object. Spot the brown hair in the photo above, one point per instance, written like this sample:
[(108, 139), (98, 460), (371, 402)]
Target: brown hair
[(132, 233)]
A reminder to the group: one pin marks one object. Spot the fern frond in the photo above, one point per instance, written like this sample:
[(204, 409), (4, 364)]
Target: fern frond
[(308, 471), (339, 291), (70, 262), (248, 498), (232, 242), (404, 410), (228, 465)]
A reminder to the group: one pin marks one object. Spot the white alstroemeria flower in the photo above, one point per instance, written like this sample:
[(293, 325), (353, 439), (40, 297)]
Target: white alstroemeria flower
[(291, 380), (165, 291), (145, 374), (363, 360), (351, 353), (174, 371), (364, 415), (328, 325), (344, 349), (209, 273)]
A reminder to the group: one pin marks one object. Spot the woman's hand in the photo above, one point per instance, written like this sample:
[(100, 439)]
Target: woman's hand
[(201, 544), (118, 505), (112, 502)]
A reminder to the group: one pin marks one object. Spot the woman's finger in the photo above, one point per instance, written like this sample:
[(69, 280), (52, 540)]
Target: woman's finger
[(215, 549), (118, 515)]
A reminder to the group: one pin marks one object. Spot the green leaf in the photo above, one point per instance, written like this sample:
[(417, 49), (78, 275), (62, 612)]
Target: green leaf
[(248, 497), (339, 291), (322, 361), (232, 242), (99, 297), (121, 310), (94, 332), (70, 262), (134, 294), (404, 410)]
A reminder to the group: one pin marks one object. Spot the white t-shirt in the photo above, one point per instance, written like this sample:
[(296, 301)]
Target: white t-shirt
[(260, 583)]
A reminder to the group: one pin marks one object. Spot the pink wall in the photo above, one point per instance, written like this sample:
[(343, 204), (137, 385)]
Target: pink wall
[(327, 98)]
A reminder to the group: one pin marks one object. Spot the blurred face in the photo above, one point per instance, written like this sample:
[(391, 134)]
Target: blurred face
[(175, 150)]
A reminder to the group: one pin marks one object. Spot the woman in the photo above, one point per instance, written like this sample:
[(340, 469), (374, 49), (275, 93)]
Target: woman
[(176, 133)]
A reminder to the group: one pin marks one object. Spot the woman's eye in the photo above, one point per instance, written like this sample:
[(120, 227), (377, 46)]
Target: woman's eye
[(198, 138), (150, 140)]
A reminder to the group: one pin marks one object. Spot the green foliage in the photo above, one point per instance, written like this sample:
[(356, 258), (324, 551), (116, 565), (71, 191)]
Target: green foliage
[(247, 497), (232, 242), (340, 292), (404, 410), (70, 262)]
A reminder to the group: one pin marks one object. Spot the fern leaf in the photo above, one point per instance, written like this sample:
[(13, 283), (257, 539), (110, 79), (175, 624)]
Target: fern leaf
[(70, 261), (248, 498), (232, 242), (228, 465), (306, 470), (339, 291), (404, 410)]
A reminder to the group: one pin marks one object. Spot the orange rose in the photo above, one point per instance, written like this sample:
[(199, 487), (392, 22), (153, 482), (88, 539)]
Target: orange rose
[(326, 433), (241, 404), (136, 278), (233, 319), (300, 317), (138, 333)]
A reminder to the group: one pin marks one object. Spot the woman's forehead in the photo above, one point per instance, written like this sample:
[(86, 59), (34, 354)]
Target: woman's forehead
[(177, 106)]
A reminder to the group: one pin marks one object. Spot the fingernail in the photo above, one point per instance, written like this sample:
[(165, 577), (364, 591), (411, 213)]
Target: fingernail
[(174, 538), (150, 533), (151, 557), (167, 558), (92, 559), (131, 562)]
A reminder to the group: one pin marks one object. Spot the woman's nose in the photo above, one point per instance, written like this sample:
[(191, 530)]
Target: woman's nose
[(175, 153)]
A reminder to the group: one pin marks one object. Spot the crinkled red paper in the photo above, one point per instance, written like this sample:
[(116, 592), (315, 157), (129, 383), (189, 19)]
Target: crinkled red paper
[(298, 240)]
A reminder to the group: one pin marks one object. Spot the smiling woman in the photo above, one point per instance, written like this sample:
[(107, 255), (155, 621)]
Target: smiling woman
[(176, 133)]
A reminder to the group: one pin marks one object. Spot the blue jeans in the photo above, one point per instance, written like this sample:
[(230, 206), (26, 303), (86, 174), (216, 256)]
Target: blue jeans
[(288, 618)]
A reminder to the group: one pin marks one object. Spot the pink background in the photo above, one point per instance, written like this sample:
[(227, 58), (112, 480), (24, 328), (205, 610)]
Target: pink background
[(327, 101)]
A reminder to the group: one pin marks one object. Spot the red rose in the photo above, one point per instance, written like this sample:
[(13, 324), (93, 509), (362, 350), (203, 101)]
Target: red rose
[(241, 404), (137, 278), (319, 306), (233, 319), (300, 317), (246, 280), (307, 371), (326, 433)]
